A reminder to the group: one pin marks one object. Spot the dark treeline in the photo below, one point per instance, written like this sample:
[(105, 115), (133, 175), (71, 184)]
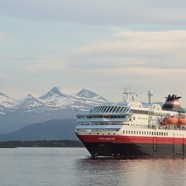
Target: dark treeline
[(40, 143)]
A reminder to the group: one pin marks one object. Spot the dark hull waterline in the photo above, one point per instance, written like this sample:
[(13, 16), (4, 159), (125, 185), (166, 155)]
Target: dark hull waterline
[(120, 150)]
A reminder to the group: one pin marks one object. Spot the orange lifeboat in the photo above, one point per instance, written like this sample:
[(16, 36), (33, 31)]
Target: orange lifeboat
[(181, 121), (170, 120)]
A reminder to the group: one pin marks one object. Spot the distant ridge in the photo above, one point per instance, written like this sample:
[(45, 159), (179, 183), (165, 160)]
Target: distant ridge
[(50, 130)]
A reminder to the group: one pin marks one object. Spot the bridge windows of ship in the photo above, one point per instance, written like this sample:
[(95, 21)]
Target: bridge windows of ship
[(109, 109)]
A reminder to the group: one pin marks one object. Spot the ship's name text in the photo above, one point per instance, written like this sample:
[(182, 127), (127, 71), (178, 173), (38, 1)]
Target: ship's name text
[(107, 138)]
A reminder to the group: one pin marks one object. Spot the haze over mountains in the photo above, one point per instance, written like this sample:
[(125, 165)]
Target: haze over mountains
[(55, 104)]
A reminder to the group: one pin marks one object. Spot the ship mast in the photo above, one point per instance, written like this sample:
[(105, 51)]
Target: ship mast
[(127, 94)]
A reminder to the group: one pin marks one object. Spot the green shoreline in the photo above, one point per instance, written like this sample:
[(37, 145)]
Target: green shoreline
[(40, 143)]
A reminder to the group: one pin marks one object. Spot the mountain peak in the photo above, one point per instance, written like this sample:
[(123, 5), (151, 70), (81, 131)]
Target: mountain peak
[(29, 96), (3, 95), (85, 93), (54, 91), (6, 101)]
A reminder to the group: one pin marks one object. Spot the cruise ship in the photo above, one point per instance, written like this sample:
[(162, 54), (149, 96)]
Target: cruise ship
[(132, 129)]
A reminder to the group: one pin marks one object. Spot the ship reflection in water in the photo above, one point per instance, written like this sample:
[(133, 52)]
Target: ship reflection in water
[(142, 172)]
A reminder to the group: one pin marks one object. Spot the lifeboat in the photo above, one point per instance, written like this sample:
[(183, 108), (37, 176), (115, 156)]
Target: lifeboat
[(181, 121), (170, 120)]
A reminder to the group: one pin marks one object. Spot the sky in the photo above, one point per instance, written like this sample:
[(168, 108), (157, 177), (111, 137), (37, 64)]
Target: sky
[(102, 45)]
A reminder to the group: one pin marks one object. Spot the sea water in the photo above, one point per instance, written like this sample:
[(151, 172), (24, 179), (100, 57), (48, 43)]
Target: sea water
[(74, 167)]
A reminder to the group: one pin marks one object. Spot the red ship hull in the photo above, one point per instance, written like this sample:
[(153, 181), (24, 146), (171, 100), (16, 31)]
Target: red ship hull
[(125, 146)]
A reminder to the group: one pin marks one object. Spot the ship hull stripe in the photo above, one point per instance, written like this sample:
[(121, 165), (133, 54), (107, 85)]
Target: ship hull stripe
[(131, 139)]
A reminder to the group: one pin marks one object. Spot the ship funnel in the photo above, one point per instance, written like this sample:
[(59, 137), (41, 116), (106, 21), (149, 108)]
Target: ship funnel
[(150, 94), (172, 104)]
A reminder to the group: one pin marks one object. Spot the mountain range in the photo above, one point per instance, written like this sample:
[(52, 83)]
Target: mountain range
[(55, 104)]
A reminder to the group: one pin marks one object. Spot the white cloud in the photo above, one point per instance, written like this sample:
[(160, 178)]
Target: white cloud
[(129, 49)]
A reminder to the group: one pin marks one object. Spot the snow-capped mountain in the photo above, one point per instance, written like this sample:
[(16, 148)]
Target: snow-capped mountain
[(55, 98), (55, 104), (6, 101), (87, 94), (53, 92), (52, 100), (6, 104), (29, 103)]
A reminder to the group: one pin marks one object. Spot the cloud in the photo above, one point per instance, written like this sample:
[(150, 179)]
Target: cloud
[(43, 66), (102, 12), (123, 51), (129, 49)]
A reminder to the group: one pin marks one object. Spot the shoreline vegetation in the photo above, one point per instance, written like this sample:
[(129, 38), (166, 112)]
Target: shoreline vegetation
[(40, 143)]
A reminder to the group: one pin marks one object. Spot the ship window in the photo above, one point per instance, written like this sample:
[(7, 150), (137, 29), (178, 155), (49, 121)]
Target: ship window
[(104, 108), (101, 110), (127, 109), (121, 108), (118, 109), (134, 118), (114, 109), (107, 109), (111, 109)]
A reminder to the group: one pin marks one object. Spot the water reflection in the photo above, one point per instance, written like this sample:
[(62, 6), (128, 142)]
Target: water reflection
[(71, 166), (131, 172)]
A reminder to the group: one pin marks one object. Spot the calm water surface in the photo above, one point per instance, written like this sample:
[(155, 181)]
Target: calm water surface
[(73, 167)]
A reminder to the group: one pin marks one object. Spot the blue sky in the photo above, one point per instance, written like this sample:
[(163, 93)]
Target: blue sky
[(101, 45)]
